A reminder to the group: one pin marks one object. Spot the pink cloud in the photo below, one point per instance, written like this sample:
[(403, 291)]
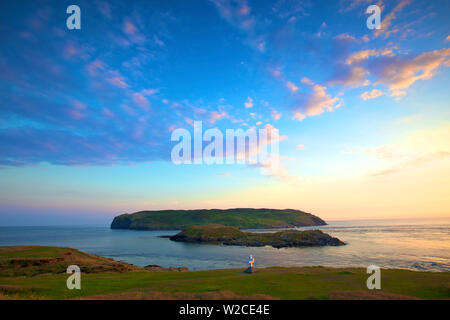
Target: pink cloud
[(141, 101), (362, 55), (133, 33), (79, 105), (118, 81), (149, 92), (248, 103), (129, 28), (291, 86), (375, 93), (107, 113), (75, 114), (400, 74), (94, 67), (276, 115), (316, 102), (345, 36), (217, 116), (387, 21)]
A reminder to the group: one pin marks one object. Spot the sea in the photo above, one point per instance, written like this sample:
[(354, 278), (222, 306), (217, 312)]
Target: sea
[(422, 245)]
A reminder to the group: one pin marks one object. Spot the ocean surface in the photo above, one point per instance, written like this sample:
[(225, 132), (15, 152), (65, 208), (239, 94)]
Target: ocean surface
[(422, 245)]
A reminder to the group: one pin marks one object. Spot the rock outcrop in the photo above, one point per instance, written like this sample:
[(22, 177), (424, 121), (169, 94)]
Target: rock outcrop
[(217, 234)]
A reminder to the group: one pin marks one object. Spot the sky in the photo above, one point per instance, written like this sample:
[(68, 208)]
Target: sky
[(86, 116)]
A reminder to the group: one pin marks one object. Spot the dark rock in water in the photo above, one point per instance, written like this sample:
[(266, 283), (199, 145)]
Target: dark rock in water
[(249, 270), (156, 268)]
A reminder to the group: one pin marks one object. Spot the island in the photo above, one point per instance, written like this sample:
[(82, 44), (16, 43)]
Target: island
[(242, 218), (219, 234)]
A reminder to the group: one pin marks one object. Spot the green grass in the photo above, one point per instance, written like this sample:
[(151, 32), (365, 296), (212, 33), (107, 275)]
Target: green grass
[(213, 231), (283, 283)]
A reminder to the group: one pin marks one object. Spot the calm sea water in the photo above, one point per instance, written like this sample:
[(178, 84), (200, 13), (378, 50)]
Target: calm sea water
[(408, 244)]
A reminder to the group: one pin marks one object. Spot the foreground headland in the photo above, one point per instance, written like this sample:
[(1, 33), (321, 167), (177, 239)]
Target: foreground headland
[(36, 272)]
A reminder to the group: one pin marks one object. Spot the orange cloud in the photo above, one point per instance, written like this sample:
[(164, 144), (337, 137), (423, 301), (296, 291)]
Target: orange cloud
[(316, 102), (291, 86), (362, 55), (276, 115), (217, 116), (400, 74), (375, 93), (319, 101)]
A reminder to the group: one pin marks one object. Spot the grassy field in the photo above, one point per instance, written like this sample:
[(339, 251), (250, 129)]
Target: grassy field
[(137, 283)]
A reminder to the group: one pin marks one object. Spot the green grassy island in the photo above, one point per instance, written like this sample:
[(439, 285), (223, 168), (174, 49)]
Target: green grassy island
[(35, 272), (239, 218), (218, 234)]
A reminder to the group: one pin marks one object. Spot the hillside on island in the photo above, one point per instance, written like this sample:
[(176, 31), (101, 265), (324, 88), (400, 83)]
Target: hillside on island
[(242, 218)]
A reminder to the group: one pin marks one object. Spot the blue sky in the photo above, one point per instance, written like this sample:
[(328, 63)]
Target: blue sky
[(86, 115)]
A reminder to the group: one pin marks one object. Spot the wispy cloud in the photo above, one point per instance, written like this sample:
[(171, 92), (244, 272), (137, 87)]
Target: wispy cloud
[(217, 116), (375, 93), (141, 101), (276, 115), (315, 102), (236, 13), (387, 21), (400, 73), (291, 86), (249, 103), (412, 163), (397, 72)]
